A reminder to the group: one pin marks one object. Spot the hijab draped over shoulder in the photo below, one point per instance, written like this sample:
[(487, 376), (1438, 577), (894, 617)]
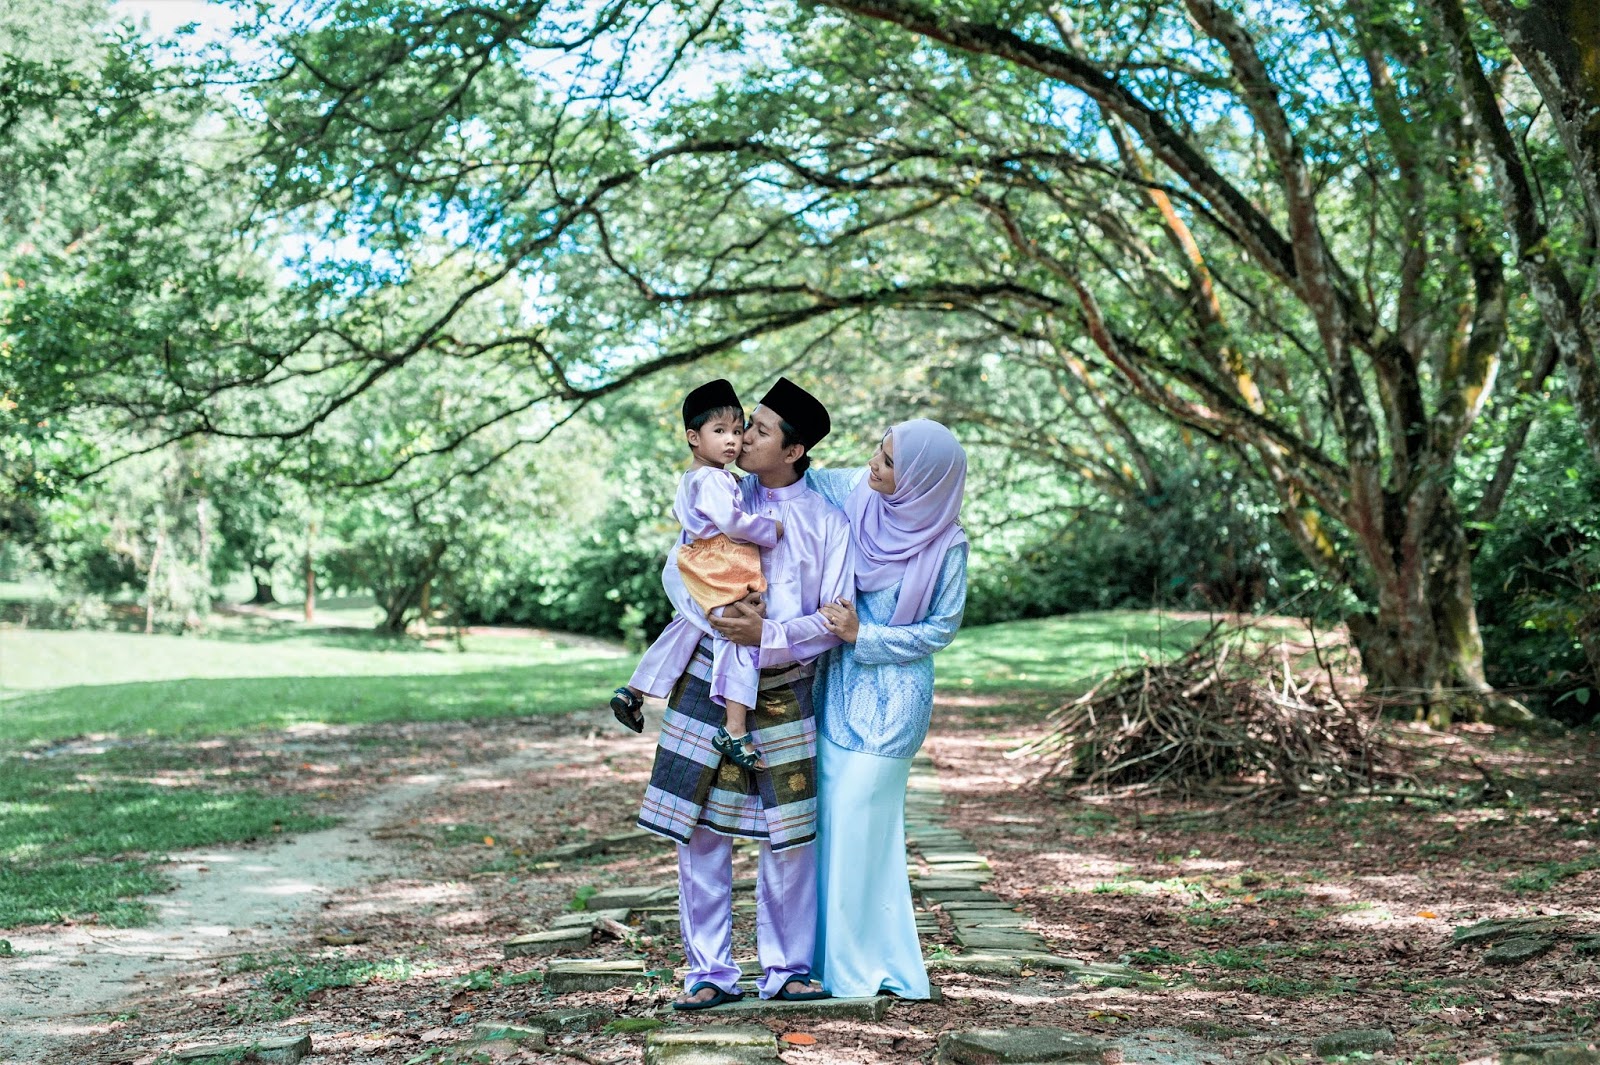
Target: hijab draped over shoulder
[(905, 536)]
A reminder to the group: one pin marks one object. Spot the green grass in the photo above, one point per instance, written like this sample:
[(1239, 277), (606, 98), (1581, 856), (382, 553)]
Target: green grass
[(1058, 654), (55, 685), (75, 844)]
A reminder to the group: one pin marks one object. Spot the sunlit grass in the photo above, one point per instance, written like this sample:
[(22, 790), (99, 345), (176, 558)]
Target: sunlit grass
[(1058, 654)]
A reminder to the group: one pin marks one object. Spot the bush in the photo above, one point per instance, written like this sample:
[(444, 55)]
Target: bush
[(1537, 577), (1207, 540)]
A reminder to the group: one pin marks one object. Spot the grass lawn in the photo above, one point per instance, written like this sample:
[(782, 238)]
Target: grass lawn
[(80, 834)]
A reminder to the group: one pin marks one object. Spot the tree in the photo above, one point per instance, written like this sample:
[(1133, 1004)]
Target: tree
[(1278, 236)]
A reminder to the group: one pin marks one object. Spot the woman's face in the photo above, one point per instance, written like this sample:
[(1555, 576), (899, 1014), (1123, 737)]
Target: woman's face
[(880, 470)]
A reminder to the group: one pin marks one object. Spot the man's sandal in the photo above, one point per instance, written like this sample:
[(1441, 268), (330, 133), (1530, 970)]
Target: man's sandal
[(718, 999), (626, 707), (807, 995), (741, 752)]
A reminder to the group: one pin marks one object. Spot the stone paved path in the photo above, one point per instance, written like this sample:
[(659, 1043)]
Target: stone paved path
[(947, 876)]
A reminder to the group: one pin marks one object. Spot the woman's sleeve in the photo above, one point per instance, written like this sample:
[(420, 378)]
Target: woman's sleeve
[(882, 645), (835, 485)]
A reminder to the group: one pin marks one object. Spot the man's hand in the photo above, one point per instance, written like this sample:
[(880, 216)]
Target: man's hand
[(840, 617), (739, 624)]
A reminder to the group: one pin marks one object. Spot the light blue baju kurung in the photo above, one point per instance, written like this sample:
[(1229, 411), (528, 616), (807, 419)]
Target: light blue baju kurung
[(874, 700)]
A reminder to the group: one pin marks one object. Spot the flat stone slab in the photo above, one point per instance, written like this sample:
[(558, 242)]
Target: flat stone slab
[(1037, 959), (566, 976), (1493, 931), (987, 903), (977, 965), (570, 1020), (1354, 1040), (952, 881), (850, 1009), (1518, 949), (542, 944), (1016, 1046), (277, 1050), (710, 1045), (989, 919), (1555, 1050), (632, 898), (507, 1032), (589, 918), (960, 895), (1587, 945), (998, 939)]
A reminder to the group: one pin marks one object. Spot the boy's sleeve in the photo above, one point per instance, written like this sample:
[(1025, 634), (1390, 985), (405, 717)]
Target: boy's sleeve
[(717, 498)]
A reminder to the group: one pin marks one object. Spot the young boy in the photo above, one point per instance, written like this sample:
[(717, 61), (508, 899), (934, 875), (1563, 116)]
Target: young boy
[(720, 563)]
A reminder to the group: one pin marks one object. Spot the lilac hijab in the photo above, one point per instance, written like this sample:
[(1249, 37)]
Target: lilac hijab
[(905, 536)]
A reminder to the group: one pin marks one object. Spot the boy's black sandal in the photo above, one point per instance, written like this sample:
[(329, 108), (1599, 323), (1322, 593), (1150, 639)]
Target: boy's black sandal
[(626, 707), (740, 751)]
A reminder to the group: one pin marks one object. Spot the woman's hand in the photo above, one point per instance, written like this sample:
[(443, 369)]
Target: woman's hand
[(840, 617)]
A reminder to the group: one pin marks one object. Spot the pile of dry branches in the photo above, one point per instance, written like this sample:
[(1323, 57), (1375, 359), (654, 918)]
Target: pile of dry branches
[(1232, 711)]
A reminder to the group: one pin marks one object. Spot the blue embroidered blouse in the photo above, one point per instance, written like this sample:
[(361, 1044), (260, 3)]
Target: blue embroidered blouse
[(876, 695)]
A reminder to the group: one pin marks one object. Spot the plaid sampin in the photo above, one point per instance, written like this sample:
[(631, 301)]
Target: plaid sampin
[(691, 784)]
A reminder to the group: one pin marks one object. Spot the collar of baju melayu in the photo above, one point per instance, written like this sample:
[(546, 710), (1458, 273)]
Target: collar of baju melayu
[(779, 495)]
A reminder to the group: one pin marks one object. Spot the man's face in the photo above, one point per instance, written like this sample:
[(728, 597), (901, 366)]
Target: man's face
[(763, 450)]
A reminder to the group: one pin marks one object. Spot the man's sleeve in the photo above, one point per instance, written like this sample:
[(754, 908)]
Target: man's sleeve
[(784, 643)]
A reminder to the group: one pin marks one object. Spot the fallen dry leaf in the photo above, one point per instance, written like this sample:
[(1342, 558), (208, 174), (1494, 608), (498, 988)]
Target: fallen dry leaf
[(799, 1039)]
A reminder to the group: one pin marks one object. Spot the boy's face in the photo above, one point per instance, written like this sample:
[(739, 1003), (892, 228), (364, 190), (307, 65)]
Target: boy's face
[(717, 441), (763, 444)]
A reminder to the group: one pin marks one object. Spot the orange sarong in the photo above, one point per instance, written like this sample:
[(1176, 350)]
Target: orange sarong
[(716, 571)]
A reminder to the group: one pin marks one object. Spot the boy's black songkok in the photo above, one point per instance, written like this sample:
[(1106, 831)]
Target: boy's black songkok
[(804, 412), (713, 395)]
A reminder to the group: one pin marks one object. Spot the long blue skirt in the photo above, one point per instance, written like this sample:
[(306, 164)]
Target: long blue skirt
[(866, 930)]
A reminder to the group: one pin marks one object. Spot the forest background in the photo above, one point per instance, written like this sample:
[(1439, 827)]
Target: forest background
[(1283, 308)]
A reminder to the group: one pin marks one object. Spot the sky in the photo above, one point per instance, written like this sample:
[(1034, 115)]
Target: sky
[(165, 16)]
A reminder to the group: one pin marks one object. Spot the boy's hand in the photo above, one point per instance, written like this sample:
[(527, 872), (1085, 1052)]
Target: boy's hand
[(756, 603)]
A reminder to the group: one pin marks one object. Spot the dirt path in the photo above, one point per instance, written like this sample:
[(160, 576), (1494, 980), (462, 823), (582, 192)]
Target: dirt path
[(227, 903)]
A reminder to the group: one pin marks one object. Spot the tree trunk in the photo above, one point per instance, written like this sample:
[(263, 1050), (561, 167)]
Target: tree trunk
[(311, 573), (402, 599), (150, 583), (261, 574), (1421, 648)]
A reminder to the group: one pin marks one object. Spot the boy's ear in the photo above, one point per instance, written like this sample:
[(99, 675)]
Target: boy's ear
[(691, 437)]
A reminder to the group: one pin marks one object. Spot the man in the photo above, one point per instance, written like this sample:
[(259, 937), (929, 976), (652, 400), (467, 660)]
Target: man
[(702, 801)]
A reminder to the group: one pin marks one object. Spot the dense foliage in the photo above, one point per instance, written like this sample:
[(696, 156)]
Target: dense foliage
[(1239, 306)]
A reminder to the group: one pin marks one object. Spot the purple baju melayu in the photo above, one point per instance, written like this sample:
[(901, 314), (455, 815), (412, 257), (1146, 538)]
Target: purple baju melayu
[(702, 801)]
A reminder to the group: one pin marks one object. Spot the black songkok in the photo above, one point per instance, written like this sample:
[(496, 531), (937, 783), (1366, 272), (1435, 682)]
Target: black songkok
[(804, 412), (713, 395)]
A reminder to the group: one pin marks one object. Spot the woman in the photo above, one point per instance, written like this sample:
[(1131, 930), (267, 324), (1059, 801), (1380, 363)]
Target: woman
[(875, 697)]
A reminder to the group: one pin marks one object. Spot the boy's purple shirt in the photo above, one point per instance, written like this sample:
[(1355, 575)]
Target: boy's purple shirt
[(810, 566), (709, 502)]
